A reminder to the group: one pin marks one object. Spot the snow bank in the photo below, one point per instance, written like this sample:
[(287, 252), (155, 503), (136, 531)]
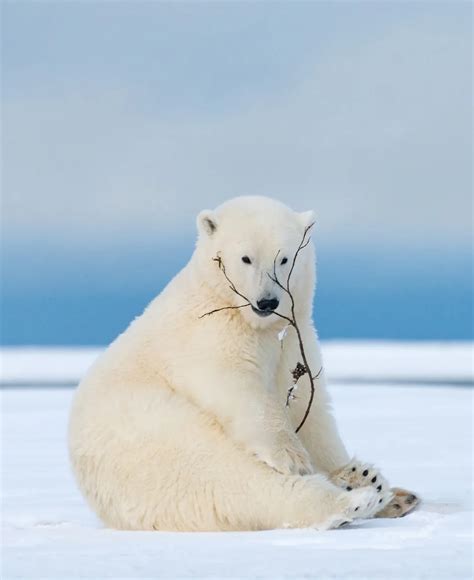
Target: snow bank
[(344, 361)]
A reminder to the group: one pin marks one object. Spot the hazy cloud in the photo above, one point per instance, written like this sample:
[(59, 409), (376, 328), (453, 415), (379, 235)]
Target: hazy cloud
[(370, 124)]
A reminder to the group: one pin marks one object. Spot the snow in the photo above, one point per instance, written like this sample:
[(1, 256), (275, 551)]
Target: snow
[(421, 437)]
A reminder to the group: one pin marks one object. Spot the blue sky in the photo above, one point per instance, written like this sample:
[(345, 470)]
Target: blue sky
[(122, 120)]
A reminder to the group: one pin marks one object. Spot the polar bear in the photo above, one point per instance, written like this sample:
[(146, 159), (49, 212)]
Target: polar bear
[(182, 423)]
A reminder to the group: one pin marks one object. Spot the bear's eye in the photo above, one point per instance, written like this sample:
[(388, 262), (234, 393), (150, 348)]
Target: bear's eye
[(284, 261), (246, 260)]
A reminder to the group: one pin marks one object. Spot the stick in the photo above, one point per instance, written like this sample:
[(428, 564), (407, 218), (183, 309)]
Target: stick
[(301, 369)]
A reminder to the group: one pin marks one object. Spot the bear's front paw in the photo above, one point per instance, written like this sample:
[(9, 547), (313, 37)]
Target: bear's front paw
[(288, 457), (357, 474)]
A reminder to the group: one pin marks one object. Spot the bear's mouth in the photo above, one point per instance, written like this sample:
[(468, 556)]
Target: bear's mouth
[(262, 313)]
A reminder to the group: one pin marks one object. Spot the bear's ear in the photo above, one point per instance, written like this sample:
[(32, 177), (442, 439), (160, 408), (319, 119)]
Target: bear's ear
[(307, 218), (206, 222)]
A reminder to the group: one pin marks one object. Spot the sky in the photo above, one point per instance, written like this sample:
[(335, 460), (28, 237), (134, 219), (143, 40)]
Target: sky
[(122, 120)]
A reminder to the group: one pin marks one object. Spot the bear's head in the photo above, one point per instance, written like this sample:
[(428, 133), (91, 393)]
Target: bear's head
[(250, 243)]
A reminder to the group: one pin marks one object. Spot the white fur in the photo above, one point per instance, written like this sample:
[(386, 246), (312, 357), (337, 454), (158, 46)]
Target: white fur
[(182, 425)]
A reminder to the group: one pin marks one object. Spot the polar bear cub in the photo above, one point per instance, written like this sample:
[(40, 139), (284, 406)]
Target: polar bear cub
[(181, 424)]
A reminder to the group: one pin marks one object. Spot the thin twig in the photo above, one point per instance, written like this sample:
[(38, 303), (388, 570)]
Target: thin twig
[(311, 397), (224, 308), (289, 320), (219, 261), (293, 322), (302, 245), (302, 368)]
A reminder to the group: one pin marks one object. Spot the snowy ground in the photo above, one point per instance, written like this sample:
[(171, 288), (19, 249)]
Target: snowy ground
[(421, 437)]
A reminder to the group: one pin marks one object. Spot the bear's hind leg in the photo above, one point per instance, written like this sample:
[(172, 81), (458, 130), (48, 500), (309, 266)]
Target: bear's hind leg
[(270, 500)]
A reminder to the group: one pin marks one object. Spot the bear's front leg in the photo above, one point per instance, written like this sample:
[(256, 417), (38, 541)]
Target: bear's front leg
[(285, 454), (265, 430), (251, 414), (393, 502)]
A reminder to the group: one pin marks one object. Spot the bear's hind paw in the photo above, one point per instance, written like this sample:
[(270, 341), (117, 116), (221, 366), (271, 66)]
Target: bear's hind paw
[(402, 503), (361, 503)]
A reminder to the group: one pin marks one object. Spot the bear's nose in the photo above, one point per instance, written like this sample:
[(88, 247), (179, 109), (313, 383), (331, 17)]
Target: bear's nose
[(268, 304)]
